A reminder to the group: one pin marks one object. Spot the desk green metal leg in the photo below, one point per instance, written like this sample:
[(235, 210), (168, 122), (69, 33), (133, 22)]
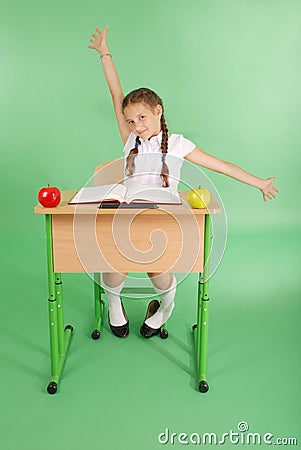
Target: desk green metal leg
[(99, 307), (201, 328), (59, 336)]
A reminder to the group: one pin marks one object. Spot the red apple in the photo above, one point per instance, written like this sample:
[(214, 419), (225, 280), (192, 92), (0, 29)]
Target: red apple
[(49, 196)]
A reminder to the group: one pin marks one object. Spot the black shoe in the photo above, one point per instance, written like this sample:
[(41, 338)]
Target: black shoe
[(145, 330), (121, 331)]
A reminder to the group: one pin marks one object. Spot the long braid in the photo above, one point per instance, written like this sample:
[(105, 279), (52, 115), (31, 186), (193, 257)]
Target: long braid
[(164, 147), (130, 160)]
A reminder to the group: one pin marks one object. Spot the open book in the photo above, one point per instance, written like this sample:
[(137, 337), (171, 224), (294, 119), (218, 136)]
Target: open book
[(121, 194)]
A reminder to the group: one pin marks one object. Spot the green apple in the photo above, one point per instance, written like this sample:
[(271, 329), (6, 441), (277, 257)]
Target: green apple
[(199, 197)]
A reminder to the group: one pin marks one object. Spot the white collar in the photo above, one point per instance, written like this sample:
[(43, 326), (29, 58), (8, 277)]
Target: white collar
[(154, 139)]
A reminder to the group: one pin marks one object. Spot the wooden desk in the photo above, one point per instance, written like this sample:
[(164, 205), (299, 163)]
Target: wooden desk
[(84, 238)]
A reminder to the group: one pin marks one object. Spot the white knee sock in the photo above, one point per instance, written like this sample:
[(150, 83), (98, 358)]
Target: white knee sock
[(115, 309), (167, 305)]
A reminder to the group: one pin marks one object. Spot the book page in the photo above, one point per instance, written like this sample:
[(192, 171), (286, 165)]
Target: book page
[(152, 194), (96, 194)]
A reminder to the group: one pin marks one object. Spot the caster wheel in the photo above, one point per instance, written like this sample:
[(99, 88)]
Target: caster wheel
[(95, 335), (52, 387), (163, 333), (69, 327), (194, 327), (203, 386)]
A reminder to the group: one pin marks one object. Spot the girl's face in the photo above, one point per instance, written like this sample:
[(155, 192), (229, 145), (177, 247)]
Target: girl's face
[(143, 120)]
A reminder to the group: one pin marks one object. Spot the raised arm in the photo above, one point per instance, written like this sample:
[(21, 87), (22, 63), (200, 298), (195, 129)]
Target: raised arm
[(99, 43), (201, 158)]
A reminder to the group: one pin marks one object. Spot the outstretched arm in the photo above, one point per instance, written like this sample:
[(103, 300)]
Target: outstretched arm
[(99, 43), (201, 158)]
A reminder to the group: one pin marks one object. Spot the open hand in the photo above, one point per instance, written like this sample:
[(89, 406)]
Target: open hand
[(267, 188), (99, 42)]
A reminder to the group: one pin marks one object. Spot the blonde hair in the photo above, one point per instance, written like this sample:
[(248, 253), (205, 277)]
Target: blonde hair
[(150, 98)]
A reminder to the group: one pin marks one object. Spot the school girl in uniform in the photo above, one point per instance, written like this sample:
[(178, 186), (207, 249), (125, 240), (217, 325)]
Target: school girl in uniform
[(153, 157)]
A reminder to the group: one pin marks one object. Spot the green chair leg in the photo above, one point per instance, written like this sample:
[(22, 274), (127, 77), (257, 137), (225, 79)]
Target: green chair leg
[(99, 307)]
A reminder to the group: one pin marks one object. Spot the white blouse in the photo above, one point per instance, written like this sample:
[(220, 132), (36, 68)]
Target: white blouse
[(148, 162)]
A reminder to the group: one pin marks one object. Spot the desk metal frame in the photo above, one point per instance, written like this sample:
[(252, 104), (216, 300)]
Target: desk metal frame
[(60, 335)]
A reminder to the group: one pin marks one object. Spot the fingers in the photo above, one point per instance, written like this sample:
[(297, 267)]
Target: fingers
[(268, 190), (92, 46), (98, 35), (104, 30), (269, 195)]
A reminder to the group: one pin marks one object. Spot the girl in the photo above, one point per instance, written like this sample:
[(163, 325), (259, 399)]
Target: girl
[(153, 157)]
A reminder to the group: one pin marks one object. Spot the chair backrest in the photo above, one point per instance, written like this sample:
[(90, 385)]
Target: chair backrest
[(109, 172)]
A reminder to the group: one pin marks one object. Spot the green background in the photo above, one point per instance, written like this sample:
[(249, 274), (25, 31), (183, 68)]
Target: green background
[(229, 74)]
